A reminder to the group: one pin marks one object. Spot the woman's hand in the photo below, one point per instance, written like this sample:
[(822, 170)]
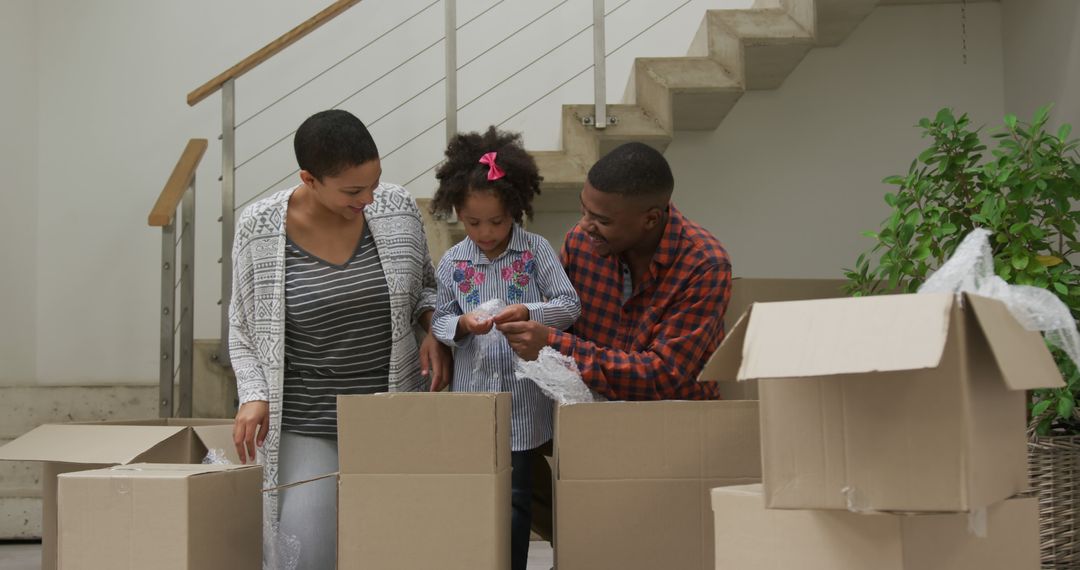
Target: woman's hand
[(436, 361), (250, 428)]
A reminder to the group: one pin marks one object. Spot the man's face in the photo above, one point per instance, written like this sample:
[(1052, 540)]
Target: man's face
[(613, 222)]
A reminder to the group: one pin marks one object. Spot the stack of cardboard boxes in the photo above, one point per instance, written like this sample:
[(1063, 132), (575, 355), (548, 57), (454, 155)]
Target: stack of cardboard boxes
[(873, 407), (890, 436)]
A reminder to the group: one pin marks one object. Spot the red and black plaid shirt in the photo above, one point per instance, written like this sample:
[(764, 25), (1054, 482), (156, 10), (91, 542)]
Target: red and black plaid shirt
[(654, 346)]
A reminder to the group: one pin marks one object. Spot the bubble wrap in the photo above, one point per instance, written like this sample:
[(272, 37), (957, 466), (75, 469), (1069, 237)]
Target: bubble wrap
[(557, 376), (281, 551), (485, 342), (971, 270), (216, 457)]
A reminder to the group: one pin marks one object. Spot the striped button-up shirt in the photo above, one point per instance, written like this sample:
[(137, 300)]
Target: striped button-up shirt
[(528, 272), (653, 345)]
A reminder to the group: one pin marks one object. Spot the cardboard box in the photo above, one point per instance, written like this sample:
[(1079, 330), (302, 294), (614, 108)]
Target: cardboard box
[(66, 448), (632, 480), (425, 481), (161, 516), (891, 403), (747, 291), (750, 536)]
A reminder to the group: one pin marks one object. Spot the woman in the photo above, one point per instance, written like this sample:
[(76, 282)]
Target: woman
[(329, 280)]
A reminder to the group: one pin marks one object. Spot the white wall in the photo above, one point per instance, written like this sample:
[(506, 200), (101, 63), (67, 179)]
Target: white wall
[(793, 176), (1042, 58), (19, 209), (109, 79)]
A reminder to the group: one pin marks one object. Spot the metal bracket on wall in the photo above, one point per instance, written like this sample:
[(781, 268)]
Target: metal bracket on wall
[(591, 121)]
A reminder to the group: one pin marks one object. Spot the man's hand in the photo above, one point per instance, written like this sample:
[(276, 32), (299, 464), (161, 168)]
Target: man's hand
[(436, 361), (250, 428), (526, 337), (513, 313), (470, 323)]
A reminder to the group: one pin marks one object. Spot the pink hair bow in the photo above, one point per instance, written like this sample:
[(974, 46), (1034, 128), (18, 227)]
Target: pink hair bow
[(494, 172)]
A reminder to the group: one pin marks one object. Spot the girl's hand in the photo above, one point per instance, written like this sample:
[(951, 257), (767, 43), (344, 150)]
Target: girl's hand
[(511, 314), (474, 324)]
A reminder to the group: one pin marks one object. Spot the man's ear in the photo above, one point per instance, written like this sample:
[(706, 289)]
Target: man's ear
[(307, 178), (654, 217)]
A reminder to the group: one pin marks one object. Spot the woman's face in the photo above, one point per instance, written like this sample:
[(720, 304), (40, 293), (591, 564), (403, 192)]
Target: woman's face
[(349, 192), (487, 222)]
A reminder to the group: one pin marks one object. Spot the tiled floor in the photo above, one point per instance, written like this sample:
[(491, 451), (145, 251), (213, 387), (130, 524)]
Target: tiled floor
[(23, 556)]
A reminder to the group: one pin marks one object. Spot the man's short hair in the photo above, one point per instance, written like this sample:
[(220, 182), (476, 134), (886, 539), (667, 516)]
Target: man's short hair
[(632, 169), (331, 141)]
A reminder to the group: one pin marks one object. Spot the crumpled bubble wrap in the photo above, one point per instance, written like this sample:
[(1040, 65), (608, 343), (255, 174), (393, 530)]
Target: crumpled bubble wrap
[(486, 342), (557, 376), (971, 270), (281, 551)]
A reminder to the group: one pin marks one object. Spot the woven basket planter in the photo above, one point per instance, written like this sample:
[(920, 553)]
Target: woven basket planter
[(1054, 463)]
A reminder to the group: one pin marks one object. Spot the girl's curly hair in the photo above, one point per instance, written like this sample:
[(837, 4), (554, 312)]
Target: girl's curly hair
[(462, 172)]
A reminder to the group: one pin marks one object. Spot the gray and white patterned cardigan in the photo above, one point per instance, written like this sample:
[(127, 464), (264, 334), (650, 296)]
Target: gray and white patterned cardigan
[(257, 311)]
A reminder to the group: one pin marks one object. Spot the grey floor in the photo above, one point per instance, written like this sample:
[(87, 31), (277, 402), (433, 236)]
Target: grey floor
[(19, 556)]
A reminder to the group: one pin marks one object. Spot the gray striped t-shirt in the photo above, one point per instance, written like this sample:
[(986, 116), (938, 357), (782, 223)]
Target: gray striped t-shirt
[(337, 334)]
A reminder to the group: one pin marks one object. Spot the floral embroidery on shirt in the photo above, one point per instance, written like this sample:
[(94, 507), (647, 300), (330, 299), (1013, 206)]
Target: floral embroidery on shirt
[(517, 276), (468, 281)]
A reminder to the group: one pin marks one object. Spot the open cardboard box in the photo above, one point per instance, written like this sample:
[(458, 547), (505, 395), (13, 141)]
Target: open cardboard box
[(161, 516), (747, 291), (64, 448), (890, 403)]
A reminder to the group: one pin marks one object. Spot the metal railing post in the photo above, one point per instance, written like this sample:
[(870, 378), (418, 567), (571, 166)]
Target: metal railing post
[(187, 302), (168, 332), (600, 119), (451, 68), (228, 214)]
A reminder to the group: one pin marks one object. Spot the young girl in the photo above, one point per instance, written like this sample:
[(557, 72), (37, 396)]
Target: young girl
[(490, 181)]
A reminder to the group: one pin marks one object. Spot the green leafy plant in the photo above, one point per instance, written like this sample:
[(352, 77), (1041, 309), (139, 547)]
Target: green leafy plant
[(1025, 193)]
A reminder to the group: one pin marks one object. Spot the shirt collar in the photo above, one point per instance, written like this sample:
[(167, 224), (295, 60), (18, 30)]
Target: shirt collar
[(519, 243), (668, 248)]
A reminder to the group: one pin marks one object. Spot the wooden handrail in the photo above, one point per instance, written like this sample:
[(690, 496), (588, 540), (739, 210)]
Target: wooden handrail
[(165, 209), (270, 49)]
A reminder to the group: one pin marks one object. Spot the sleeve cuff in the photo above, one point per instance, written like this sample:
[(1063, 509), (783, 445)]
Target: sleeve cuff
[(562, 342), (445, 329), (536, 313)]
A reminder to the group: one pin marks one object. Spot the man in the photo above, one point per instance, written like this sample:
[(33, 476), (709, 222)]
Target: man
[(653, 285)]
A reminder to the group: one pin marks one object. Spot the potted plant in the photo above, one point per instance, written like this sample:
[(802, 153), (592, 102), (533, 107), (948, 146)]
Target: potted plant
[(1025, 191)]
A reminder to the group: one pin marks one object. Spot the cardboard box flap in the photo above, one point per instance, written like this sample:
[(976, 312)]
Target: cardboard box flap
[(1021, 355), (100, 444), (218, 437), (156, 471), (723, 365), (845, 336)]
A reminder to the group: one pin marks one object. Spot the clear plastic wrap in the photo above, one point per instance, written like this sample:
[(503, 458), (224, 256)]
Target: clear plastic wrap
[(557, 376), (971, 270), (216, 457), (486, 342), (281, 551)]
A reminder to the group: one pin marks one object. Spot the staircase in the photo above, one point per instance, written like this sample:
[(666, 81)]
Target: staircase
[(733, 51)]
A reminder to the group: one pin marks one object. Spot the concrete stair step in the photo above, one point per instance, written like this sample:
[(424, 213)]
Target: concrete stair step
[(18, 478), (20, 518), (27, 407), (686, 93)]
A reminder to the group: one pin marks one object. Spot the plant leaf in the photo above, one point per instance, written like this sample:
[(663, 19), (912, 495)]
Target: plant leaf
[(1048, 260)]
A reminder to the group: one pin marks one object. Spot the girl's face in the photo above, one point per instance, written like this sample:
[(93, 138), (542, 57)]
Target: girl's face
[(487, 222)]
